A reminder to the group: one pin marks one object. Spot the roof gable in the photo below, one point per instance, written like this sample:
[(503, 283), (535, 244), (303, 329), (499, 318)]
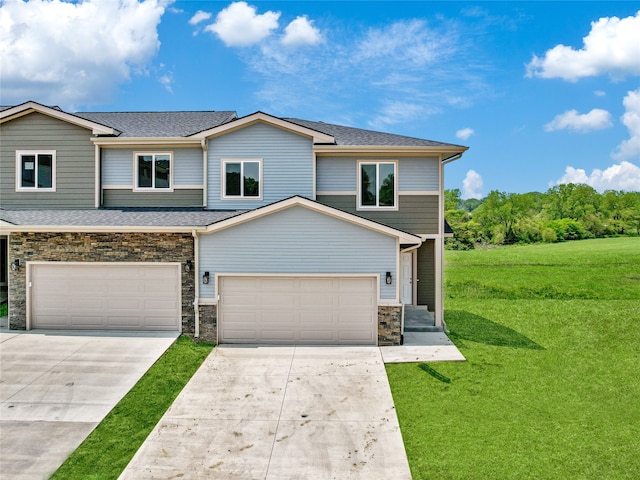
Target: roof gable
[(318, 137), (404, 237), (21, 110)]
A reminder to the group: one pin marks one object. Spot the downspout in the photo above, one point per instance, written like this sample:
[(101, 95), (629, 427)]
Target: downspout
[(196, 282), (97, 187), (205, 171)]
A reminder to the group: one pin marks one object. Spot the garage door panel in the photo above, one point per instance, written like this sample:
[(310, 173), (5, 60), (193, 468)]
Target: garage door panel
[(298, 310), (310, 299), (86, 321), (277, 284), (278, 299), (106, 296)]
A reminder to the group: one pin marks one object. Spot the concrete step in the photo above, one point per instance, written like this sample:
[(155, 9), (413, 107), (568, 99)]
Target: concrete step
[(419, 319)]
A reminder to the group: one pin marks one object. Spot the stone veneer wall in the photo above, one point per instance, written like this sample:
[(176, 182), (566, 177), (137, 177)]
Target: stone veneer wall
[(98, 247), (209, 323), (389, 325)]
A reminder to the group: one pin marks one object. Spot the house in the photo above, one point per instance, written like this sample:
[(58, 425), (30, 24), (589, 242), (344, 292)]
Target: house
[(253, 229)]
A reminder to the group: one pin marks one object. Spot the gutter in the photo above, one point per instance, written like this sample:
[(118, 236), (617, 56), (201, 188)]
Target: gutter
[(196, 282), (452, 158)]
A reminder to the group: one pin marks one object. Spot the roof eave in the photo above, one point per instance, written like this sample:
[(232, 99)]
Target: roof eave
[(30, 107), (435, 150), (10, 228), (138, 141)]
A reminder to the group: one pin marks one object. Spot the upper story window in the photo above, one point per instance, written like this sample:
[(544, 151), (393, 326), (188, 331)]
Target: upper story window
[(153, 171), (377, 185), (36, 170), (242, 178)]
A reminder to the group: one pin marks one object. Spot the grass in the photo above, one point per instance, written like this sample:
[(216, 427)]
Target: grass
[(550, 388), (108, 449)]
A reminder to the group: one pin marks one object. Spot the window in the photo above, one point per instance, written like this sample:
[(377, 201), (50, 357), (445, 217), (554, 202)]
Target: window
[(241, 179), (36, 170), (153, 171), (377, 185)]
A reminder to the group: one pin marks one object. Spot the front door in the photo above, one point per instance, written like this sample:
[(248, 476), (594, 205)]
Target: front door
[(406, 283)]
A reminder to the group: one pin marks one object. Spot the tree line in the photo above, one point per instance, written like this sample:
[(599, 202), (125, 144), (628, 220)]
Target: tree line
[(564, 212)]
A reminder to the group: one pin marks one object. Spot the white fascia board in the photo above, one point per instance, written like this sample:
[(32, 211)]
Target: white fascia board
[(318, 137), (358, 150), (133, 142), (403, 237), (30, 107), (9, 228)]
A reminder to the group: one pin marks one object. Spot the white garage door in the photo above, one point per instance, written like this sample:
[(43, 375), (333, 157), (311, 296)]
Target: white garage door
[(298, 310), (106, 296)]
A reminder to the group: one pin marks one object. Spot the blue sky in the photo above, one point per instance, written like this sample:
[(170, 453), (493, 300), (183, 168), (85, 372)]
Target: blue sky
[(541, 92)]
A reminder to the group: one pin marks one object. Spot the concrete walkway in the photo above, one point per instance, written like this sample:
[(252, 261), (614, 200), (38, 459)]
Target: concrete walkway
[(279, 413), (55, 387), (423, 347)]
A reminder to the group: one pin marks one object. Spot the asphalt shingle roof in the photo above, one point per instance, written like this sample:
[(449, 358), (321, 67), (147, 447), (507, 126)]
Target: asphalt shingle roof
[(112, 217), (159, 124), (358, 136)]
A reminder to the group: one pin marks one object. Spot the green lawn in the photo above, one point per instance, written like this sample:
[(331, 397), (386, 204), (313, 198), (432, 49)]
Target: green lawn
[(551, 386), (109, 448)]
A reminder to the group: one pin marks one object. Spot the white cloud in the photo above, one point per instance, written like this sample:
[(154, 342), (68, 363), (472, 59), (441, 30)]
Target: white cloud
[(472, 185), (395, 112), (596, 119), (239, 25), (600, 93), (43, 61), (612, 47), (409, 41), (402, 70), (631, 119), (199, 16), (621, 176), (465, 133), (301, 32)]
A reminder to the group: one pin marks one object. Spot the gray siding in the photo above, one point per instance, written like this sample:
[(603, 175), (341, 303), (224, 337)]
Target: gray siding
[(298, 240), (340, 173), (128, 198), (336, 174), (416, 213), (117, 165), (418, 174), (287, 164), (75, 162), (427, 275)]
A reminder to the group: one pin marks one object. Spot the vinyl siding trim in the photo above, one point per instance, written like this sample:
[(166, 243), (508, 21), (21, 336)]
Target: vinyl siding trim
[(336, 192), (419, 192), (260, 117), (130, 187)]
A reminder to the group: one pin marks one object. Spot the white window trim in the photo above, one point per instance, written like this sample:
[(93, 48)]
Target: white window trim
[(359, 205), (223, 177), (19, 154), (136, 188)]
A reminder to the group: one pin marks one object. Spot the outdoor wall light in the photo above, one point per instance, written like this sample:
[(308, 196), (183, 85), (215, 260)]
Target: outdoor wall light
[(187, 267), (389, 279), (15, 265), (205, 278)]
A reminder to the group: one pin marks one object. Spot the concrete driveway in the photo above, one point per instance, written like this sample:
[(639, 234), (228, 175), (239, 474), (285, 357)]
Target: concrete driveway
[(56, 387), (279, 413)]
